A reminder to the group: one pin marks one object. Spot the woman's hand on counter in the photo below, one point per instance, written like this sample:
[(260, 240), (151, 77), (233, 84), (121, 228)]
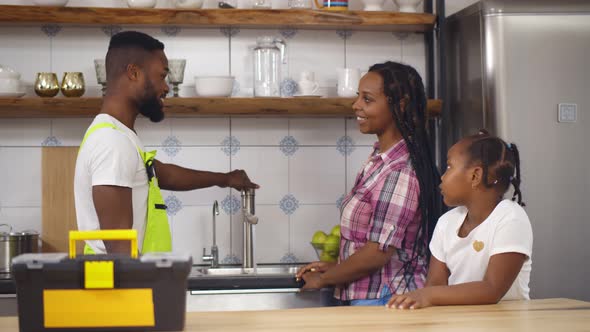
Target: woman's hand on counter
[(314, 267), (413, 300), (313, 280), (312, 274)]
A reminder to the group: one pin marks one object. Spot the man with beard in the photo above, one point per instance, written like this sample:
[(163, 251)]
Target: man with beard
[(117, 184)]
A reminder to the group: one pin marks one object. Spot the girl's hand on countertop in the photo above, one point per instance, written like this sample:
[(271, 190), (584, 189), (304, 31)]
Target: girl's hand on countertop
[(413, 300)]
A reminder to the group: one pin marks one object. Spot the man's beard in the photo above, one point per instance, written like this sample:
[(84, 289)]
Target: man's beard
[(149, 105)]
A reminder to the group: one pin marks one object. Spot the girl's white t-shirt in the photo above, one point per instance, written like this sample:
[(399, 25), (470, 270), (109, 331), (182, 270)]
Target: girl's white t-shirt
[(506, 229)]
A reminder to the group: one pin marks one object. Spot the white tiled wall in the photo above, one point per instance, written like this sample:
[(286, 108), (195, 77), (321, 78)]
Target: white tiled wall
[(304, 166)]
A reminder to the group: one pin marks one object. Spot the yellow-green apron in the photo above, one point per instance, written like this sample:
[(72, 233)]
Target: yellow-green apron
[(157, 237)]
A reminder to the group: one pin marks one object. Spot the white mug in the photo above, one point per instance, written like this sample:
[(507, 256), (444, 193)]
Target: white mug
[(373, 5), (244, 4), (307, 88), (348, 81), (307, 76), (141, 3)]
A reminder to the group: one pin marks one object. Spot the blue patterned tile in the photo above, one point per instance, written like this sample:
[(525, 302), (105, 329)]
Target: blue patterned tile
[(111, 30), (230, 145), (339, 201), (171, 30), (51, 30), (171, 146), (345, 145), (289, 204), (289, 258), (288, 87), (288, 32), (51, 141), (231, 259), (229, 31), (173, 205), (289, 145), (344, 34), (230, 204)]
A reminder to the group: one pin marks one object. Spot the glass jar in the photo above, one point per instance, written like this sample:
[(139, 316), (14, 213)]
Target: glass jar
[(300, 4), (262, 4), (269, 56)]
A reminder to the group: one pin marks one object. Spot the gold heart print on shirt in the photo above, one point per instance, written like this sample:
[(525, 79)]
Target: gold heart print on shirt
[(477, 245)]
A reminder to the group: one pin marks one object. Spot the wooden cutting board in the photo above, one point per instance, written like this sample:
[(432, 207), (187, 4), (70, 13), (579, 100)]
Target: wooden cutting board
[(58, 211)]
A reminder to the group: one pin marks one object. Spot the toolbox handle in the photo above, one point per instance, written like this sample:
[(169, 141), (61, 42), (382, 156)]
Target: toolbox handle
[(111, 234)]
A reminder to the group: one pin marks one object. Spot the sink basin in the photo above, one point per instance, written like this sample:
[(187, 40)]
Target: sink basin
[(266, 287), (239, 271)]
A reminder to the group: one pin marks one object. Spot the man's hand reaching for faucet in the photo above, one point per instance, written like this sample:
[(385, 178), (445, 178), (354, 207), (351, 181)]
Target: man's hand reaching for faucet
[(238, 179), (174, 177)]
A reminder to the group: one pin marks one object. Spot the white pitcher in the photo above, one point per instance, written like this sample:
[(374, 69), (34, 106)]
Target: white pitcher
[(348, 81)]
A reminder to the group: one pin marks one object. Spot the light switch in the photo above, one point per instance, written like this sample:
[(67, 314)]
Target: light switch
[(567, 112)]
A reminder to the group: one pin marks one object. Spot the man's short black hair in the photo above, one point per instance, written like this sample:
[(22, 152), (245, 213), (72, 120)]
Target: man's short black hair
[(129, 47)]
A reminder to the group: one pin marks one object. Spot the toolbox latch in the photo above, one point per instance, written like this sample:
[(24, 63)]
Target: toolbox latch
[(99, 275)]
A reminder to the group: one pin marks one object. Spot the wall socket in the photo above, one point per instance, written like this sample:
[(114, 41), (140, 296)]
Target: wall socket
[(567, 112)]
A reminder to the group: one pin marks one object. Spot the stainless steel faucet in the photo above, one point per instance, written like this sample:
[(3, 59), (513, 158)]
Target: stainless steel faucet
[(250, 219), (214, 256)]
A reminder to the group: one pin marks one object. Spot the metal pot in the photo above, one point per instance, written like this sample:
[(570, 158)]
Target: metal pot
[(13, 244)]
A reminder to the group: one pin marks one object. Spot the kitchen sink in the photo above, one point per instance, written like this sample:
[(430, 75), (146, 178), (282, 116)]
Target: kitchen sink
[(229, 288), (240, 271)]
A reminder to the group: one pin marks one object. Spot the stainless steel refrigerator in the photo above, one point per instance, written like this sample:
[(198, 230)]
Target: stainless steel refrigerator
[(521, 69)]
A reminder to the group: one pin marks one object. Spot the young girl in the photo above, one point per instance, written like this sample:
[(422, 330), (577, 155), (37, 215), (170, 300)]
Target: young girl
[(481, 250), (390, 212)]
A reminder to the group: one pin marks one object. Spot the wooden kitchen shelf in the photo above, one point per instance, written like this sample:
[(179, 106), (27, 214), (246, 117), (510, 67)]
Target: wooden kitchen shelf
[(207, 18), (192, 107)]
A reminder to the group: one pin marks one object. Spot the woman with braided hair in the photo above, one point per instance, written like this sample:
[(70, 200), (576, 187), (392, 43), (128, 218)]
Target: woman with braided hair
[(481, 250), (387, 218)]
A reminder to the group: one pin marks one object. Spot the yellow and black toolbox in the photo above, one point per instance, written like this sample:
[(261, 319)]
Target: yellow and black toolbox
[(101, 292)]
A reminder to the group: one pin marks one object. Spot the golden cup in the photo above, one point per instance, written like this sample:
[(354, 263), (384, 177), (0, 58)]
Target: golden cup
[(72, 84), (46, 85)]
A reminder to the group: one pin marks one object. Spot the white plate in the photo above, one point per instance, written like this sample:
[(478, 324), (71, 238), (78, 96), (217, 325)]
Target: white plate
[(12, 94), (307, 96), (58, 3)]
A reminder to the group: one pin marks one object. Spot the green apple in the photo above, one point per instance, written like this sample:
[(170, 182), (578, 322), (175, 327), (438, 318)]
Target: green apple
[(325, 257), (319, 237), (332, 245), (336, 230)]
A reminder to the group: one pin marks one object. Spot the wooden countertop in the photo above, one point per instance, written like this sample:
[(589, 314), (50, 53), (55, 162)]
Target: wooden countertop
[(537, 316)]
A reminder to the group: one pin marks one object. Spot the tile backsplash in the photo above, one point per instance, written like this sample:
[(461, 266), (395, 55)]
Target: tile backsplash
[(304, 166)]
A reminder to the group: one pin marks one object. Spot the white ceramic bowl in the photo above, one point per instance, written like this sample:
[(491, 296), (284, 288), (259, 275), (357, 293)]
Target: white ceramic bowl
[(407, 6), (141, 3), (373, 5), (58, 3), (214, 86), (189, 4)]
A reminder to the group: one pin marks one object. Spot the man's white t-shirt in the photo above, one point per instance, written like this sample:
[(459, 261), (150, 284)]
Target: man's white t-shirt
[(506, 229), (110, 157)]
